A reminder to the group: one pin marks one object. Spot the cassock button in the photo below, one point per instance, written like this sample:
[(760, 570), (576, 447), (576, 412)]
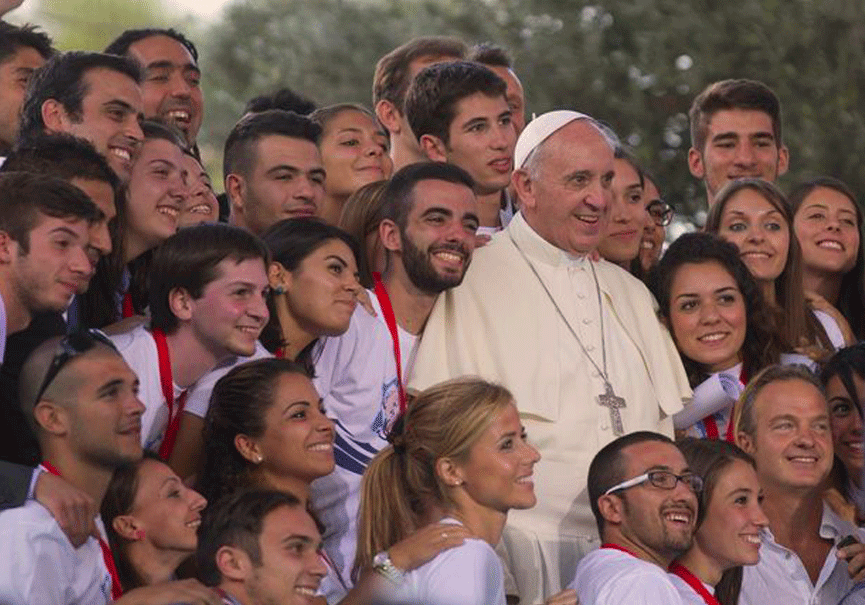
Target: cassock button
[(581, 296), (605, 427), (587, 321), (590, 347)]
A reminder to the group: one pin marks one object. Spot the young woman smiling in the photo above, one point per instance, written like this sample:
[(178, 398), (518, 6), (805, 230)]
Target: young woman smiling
[(827, 221), (314, 286), (151, 520), (843, 376), (754, 215), (148, 216), (354, 152), (461, 458), (715, 312), (729, 523)]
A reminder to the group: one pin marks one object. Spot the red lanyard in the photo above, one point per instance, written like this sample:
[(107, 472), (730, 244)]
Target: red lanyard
[(694, 582), (116, 588), (617, 547), (709, 421), (390, 320), (127, 310), (167, 382)]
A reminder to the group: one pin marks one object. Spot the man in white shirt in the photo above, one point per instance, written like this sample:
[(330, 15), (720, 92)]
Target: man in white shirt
[(81, 400), (575, 340), (207, 303), (784, 424), (260, 548), (429, 233), (644, 501)]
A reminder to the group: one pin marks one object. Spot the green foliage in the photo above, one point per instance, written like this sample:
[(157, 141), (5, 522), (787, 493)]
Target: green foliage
[(87, 25), (636, 64)]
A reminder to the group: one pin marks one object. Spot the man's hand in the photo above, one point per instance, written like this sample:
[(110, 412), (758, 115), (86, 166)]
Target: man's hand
[(187, 592), (73, 509)]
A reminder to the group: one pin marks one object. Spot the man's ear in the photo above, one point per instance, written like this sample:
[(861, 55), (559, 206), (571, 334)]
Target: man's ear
[(695, 163), (6, 251), (235, 190), (746, 442), (612, 508), (433, 148), (524, 187), (389, 116), (783, 160), (233, 563), (181, 303), (51, 417), (389, 234), (54, 116)]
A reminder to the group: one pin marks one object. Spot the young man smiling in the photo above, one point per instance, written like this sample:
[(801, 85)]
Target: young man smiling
[(460, 114), (429, 233), (260, 548), (644, 500), (90, 95), (736, 133), (207, 303)]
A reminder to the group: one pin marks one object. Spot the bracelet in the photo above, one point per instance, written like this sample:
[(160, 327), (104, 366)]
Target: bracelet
[(383, 566)]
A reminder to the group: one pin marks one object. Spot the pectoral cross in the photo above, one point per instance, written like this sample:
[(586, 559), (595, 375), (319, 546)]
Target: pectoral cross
[(612, 401)]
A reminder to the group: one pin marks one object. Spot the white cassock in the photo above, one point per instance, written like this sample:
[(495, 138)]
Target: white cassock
[(500, 324)]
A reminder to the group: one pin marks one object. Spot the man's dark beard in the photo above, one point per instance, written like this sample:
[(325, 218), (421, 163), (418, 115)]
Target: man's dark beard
[(418, 267)]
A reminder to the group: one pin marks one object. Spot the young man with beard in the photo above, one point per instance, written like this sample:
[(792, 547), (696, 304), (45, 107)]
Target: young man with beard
[(429, 232), (460, 115), (784, 424), (644, 500), (260, 548), (207, 304)]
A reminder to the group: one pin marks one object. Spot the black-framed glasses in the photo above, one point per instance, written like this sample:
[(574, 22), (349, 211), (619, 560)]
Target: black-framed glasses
[(661, 480), (661, 212), (72, 345)]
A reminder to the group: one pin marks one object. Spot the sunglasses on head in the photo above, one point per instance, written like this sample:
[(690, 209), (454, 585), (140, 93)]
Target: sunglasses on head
[(71, 346)]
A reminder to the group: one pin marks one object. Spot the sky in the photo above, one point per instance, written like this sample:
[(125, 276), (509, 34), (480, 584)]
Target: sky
[(206, 9)]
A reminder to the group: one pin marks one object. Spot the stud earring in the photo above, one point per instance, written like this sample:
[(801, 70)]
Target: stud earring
[(279, 290)]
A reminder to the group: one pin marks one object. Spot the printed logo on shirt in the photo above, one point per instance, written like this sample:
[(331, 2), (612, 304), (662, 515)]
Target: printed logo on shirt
[(387, 415)]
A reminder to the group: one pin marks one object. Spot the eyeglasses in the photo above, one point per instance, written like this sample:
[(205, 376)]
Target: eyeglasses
[(661, 212), (661, 480), (71, 346)]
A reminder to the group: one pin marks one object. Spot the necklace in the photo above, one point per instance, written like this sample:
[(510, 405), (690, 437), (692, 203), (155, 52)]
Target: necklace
[(608, 398)]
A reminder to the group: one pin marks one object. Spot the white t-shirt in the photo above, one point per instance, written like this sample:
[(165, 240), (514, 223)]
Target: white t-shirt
[(139, 350), (39, 566), (470, 574), (689, 595), (780, 576), (608, 576), (198, 399), (356, 377)]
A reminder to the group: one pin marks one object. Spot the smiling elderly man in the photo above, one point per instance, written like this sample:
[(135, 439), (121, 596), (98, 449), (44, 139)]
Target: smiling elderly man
[(575, 340)]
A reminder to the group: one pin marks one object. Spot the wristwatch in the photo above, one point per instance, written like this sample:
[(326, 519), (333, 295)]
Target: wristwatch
[(382, 565)]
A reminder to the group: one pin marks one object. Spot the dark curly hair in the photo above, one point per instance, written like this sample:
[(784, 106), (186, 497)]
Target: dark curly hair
[(763, 346)]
